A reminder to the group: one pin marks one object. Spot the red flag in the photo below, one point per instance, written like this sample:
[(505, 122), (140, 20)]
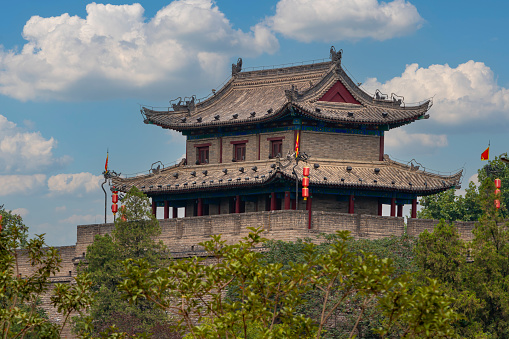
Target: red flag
[(106, 165), (486, 154), (297, 144)]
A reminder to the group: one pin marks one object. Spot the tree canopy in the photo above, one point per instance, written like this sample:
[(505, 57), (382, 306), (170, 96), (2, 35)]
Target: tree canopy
[(20, 316), (449, 206), (133, 238)]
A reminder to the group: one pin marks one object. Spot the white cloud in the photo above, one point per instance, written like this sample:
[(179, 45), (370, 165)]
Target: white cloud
[(60, 209), (116, 51), (465, 95), (74, 183), (20, 184), (76, 219), (23, 152), (400, 141), (336, 20), (23, 212)]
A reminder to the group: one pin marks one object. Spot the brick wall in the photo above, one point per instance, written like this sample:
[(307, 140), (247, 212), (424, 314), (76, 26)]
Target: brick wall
[(340, 146), (251, 147), (317, 144), (417, 226), (288, 143), (213, 150)]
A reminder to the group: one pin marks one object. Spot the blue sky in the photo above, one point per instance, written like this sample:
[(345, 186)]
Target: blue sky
[(73, 74)]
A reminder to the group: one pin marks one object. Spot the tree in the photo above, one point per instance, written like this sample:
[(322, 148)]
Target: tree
[(448, 206), (269, 294), (480, 284), (133, 238), (20, 296), (342, 321)]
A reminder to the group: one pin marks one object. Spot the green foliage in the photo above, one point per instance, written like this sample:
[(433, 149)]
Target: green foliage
[(132, 238), (20, 295), (446, 205), (341, 322), (480, 284), (269, 295)]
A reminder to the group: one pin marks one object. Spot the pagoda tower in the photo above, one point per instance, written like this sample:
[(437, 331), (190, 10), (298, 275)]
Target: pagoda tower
[(241, 147)]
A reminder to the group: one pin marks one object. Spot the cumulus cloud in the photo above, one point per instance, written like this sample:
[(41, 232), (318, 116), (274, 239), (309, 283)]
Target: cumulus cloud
[(20, 184), (23, 152), (73, 183), (400, 141), (336, 20), (465, 95), (116, 51), (60, 209)]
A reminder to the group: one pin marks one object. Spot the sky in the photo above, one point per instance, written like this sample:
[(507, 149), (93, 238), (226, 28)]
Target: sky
[(73, 75)]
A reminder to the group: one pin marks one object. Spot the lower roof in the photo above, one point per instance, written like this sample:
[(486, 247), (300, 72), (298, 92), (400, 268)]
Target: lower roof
[(386, 175)]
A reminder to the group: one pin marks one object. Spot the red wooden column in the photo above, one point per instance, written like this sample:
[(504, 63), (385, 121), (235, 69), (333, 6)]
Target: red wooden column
[(273, 201), (414, 208), (200, 207), (351, 204), (381, 156), (166, 209), (393, 207), (308, 207), (400, 210), (175, 212), (380, 209), (287, 201), (237, 204), (154, 208)]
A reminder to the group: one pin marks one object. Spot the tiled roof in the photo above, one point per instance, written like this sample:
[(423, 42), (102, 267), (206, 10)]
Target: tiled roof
[(259, 96), (376, 175)]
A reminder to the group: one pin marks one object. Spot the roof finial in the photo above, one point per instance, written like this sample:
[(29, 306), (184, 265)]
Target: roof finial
[(336, 56), (237, 68)]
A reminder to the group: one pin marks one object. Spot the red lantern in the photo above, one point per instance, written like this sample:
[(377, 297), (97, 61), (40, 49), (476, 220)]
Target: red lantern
[(114, 198), (305, 192), (122, 211), (305, 171), (497, 191), (498, 183), (305, 182), (114, 208), (497, 204)]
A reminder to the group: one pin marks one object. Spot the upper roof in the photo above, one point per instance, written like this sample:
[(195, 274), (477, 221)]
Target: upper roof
[(321, 91), (386, 175)]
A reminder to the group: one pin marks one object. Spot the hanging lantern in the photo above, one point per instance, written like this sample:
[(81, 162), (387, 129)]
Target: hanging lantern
[(122, 213), (497, 191), (305, 182), (497, 204), (114, 197), (498, 183), (305, 192), (305, 171), (114, 208)]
